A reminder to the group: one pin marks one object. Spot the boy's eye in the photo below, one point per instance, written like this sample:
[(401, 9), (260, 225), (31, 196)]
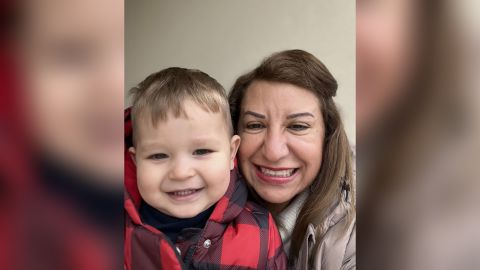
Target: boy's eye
[(255, 126), (202, 152), (157, 156), (298, 127)]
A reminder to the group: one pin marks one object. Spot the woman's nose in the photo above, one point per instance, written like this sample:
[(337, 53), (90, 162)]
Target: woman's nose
[(181, 169), (275, 146)]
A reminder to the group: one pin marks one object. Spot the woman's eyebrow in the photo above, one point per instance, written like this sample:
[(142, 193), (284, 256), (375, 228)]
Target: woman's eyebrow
[(295, 115), (258, 115)]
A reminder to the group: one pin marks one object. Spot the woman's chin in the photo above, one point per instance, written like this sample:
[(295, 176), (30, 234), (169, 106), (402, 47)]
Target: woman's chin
[(275, 197)]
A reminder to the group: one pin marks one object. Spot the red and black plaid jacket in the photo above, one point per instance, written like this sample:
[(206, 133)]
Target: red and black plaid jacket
[(239, 234)]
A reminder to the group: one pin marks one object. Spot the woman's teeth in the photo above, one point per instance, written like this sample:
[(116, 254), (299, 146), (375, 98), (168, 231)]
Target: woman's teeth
[(277, 173)]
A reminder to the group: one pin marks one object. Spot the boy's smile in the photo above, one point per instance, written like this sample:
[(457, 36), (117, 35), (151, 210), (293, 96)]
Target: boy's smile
[(183, 164)]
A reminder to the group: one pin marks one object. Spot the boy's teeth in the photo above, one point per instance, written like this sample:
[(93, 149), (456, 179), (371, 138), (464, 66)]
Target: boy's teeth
[(184, 192), (281, 173)]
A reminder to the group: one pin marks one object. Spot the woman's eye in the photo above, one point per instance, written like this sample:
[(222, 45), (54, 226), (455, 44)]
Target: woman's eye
[(157, 156), (202, 152), (298, 127), (255, 126)]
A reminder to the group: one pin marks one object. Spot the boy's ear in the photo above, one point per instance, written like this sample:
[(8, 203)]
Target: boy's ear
[(131, 150), (234, 144)]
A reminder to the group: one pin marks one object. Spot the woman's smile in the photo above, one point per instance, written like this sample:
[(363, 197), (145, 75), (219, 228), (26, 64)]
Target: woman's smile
[(276, 176)]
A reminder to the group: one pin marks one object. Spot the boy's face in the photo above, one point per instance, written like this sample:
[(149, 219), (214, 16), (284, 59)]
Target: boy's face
[(183, 165)]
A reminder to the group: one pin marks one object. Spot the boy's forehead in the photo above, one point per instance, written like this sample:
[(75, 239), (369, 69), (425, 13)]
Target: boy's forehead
[(186, 109), (186, 112), (214, 124)]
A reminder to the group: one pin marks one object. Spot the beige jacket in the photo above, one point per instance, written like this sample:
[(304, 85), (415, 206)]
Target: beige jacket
[(337, 247)]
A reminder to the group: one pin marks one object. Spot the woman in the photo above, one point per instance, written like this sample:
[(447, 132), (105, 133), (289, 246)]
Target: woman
[(296, 157)]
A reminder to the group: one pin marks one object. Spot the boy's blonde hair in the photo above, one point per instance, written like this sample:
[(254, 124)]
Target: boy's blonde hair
[(166, 91)]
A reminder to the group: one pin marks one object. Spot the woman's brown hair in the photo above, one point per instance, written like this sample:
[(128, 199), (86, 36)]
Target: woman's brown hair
[(302, 69)]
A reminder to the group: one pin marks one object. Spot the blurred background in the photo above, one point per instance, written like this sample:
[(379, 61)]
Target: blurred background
[(229, 38), (61, 126), (417, 116), (418, 134)]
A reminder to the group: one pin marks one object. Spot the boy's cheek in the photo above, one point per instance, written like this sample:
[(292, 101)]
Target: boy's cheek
[(142, 165), (144, 176), (146, 185)]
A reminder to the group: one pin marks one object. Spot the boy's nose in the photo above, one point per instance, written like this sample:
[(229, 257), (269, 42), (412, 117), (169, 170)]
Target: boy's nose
[(181, 169)]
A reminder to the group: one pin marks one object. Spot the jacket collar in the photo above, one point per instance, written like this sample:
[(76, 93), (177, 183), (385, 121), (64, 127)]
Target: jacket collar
[(288, 217)]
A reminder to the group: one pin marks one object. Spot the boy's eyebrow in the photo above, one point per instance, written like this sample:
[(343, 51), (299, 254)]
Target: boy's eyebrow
[(201, 140), (148, 145), (254, 114), (295, 115)]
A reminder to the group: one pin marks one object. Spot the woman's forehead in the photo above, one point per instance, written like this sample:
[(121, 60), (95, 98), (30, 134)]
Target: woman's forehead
[(284, 97)]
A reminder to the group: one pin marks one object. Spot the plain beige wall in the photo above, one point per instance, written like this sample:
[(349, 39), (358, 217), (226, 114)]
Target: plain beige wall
[(226, 38)]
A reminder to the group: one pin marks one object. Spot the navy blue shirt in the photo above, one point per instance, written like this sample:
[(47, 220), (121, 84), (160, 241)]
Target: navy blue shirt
[(172, 226)]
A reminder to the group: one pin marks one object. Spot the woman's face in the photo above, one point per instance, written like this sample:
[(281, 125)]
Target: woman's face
[(282, 133)]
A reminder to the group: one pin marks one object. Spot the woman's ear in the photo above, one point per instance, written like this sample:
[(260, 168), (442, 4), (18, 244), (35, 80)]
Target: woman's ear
[(131, 151), (234, 144)]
